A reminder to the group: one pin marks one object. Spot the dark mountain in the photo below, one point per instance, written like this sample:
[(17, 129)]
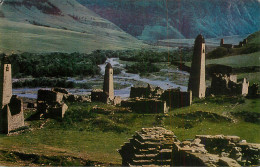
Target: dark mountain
[(148, 19)]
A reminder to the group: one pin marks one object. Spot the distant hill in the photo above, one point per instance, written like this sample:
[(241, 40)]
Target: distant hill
[(147, 19), (57, 26)]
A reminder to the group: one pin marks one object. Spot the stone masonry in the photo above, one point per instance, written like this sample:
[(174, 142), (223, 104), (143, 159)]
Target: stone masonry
[(176, 99), (145, 105), (5, 82), (150, 146), (50, 104), (108, 87), (107, 94), (227, 85), (11, 107), (197, 82), (159, 147)]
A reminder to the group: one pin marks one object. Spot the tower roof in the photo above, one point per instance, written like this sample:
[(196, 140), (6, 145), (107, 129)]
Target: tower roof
[(5, 60), (200, 39), (108, 66)]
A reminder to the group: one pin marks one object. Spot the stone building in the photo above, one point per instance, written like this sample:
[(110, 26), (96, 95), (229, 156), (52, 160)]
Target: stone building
[(11, 107), (107, 94), (50, 104), (229, 46), (108, 86), (197, 82), (146, 105), (145, 92), (176, 99), (226, 84)]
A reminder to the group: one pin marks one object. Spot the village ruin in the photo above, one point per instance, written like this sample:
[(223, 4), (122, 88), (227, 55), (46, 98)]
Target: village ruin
[(160, 147)]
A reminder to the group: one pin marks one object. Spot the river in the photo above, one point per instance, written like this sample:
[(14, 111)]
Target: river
[(123, 78)]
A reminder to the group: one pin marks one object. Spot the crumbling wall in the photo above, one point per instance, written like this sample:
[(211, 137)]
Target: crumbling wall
[(49, 96), (152, 145), (175, 98), (145, 92), (50, 104), (12, 117), (146, 105), (227, 85)]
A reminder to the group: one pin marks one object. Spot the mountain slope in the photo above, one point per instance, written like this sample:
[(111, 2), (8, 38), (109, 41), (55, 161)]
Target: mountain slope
[(57, 25), (147, 20)]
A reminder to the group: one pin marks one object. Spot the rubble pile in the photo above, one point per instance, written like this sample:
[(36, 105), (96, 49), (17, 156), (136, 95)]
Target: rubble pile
[(159, 147), (150, 146)]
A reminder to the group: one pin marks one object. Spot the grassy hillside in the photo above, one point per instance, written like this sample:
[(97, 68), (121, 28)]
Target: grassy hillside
[(58, 26), (96, 137)]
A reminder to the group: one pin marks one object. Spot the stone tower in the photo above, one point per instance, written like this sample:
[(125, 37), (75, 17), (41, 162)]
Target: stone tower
[(5, 81), (108, 87), (222, 42), (197, 82)]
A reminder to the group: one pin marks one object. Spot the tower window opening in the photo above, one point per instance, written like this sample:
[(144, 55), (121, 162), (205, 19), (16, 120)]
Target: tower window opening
[(7, 68), (203, 51)]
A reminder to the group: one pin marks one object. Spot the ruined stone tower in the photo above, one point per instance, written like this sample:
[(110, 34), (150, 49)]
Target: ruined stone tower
[(222, 42), (197, 83), (5, 82), (108, 87)]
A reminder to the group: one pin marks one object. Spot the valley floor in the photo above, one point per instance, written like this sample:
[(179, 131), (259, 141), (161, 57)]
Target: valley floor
[(86, 137)]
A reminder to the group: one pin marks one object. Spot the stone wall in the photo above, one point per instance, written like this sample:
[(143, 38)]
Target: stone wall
[(146, 105), (150, 146), (158, 146), (50, 104), (145, 92), (175, 98), (11, 116), (227, 85), (49, 96)]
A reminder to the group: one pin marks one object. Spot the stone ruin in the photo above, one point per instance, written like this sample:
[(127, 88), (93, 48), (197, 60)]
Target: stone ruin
[(229, 46), (223, 84), (107, 94), (150, 146), (11, 107), (160, 147), (175, 98), (50, 104), (197, 80), (156, 100), (146, 92), (145, 105)]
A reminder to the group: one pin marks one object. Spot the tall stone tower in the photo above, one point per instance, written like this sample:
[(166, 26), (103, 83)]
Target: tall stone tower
[(108, 87), (5, 82), (197, 82)]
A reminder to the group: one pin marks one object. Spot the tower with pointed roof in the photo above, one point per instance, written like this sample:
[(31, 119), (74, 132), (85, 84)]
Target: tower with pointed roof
[(197, 82), (5, 81), (108, 87)]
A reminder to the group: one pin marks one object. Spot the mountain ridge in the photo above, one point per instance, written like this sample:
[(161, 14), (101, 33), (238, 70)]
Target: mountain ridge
[(58, 26), (147, 20)]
